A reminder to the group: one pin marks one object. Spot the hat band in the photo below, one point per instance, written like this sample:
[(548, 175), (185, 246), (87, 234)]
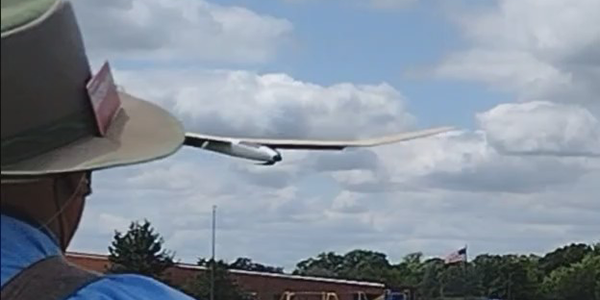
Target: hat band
[(46, 138)]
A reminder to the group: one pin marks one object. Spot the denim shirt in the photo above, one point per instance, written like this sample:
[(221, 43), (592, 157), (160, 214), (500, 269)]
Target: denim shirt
[(22, 245)]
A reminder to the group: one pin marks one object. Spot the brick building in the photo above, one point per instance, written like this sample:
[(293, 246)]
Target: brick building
[(265, 286)]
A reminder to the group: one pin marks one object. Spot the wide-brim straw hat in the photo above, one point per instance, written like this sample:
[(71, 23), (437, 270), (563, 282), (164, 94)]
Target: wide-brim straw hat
[(49, 122)]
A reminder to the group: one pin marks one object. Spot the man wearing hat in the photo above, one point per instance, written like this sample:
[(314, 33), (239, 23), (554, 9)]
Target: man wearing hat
[(60, 122)]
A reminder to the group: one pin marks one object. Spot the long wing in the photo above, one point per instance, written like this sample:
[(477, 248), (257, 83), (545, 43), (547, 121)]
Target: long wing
[(201, 140)]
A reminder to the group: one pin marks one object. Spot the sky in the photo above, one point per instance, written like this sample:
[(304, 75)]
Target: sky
[(518, 79)]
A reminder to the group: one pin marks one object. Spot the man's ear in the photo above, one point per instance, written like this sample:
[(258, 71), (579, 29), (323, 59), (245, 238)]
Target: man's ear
[(31, 202), (70, 192)]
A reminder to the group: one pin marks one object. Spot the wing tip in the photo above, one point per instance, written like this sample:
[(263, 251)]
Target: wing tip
[(405, 136)]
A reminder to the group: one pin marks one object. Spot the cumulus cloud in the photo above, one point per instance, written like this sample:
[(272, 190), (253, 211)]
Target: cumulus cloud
[(466, 161), (189, 30), (347, 202), (542, 128), (508, 175), (540, 49), (547, 54), (354, 159), (551, 30), (507, 69), (244, 103)]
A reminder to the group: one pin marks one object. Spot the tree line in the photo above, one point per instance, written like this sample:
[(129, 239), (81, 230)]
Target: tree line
[(571, 272)]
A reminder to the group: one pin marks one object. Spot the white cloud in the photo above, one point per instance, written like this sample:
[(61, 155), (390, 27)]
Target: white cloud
[(467, 162), (552, 30), (245, 103), (544, 52), (179, 31), (542, 128), (347, 202), (507, 69)]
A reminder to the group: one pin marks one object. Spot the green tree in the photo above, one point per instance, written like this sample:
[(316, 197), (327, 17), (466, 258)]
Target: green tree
[(564, 257), (487, 268), (580, 280), (508, 276), (357, 264), (594, 263), (409, 272), (244, 263), (225, 288), (596, 249), (139, 251), (524, 277), (453, 280), (326, 264), (364, 265), (430, 286)]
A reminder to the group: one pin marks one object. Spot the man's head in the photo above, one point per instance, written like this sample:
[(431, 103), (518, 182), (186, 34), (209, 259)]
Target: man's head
[(52, 122)]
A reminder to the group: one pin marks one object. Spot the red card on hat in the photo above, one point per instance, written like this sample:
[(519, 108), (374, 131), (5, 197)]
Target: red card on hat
[(104, 97)]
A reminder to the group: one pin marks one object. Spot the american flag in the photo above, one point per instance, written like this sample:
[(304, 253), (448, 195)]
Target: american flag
[(457, 256)]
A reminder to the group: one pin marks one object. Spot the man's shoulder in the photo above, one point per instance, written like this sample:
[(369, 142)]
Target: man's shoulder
[(128, 287)]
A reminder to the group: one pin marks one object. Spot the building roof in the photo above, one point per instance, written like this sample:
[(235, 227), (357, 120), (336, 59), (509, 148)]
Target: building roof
[(249, 273)]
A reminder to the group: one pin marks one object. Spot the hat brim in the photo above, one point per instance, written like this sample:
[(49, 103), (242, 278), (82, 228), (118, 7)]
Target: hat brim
[(141, 132)]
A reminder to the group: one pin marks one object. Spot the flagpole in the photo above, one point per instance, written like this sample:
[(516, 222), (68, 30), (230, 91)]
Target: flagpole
[(212, 269), (465, 273)]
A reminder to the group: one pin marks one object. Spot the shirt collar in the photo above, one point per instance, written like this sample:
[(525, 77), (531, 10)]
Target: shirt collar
[(21, 245)]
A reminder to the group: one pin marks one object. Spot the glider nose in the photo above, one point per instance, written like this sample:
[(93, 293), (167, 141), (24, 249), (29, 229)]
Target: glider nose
[(277, 157)]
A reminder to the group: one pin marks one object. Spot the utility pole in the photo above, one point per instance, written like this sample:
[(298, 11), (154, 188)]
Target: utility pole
[(213, 262)]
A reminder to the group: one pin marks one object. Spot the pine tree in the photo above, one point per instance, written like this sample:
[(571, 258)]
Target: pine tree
[(139, 251)]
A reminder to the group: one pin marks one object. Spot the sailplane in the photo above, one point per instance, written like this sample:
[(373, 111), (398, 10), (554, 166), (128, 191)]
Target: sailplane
[(266, 151)]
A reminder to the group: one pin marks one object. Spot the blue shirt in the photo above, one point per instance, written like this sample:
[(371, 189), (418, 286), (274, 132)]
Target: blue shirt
[(23, 245)]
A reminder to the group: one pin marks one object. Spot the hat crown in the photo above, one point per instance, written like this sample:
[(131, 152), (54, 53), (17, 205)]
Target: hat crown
[(49, 123), (16, 13), (44, 74)]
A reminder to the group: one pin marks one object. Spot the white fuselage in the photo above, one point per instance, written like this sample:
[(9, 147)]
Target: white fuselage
[(246, 150)]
